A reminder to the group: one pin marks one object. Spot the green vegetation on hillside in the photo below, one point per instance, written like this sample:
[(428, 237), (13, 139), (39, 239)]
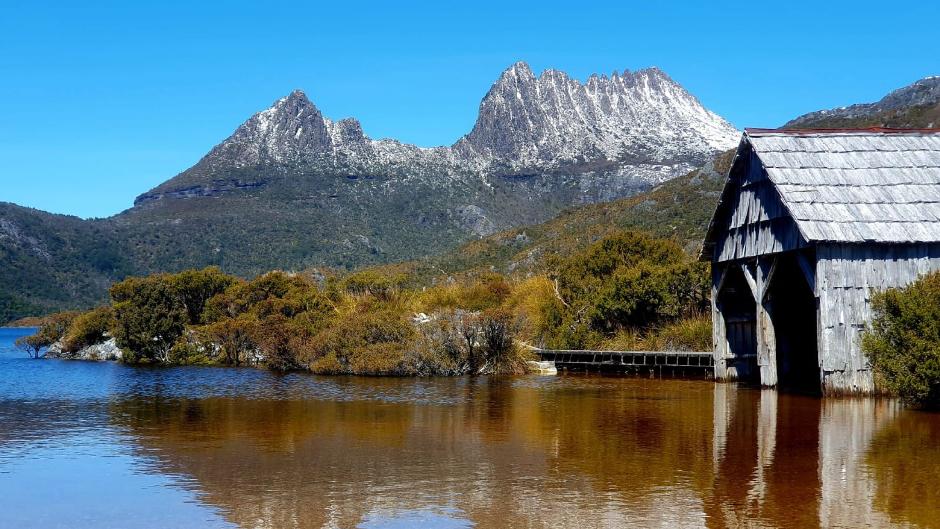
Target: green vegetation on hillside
[(679, 209), (627, 286), (916, 117), (55, 262), (903, 343)]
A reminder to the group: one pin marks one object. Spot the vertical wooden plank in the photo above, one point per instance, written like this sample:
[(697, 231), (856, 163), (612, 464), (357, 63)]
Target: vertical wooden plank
[(719, 340), (766, 337)]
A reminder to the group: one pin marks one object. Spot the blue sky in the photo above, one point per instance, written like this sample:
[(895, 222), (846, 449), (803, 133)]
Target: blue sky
[(101, 102)]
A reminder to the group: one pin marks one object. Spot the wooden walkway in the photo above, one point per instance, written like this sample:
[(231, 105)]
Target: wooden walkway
[(674, 361)]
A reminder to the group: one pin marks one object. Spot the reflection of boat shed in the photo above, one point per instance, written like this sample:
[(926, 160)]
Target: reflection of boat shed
[(809, 223)]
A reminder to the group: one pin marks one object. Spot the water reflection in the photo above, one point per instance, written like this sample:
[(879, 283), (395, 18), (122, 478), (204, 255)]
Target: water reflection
[(564, 452), (208, 447)]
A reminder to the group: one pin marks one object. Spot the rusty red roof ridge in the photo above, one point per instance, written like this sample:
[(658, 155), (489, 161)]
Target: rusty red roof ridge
[(751, 131)]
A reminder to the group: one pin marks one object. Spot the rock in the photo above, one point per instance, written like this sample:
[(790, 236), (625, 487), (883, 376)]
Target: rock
[(101, 351)]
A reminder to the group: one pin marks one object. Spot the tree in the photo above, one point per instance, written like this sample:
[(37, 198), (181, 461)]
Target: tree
[(32, 345), (150, 315), (196, 287), (235, 336), (52, 328), (903, 342)]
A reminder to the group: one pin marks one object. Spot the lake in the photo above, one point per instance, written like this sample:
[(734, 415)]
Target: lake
[(102, 445)]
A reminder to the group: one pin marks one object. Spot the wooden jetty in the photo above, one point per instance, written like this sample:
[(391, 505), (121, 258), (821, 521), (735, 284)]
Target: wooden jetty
[(667, 362)]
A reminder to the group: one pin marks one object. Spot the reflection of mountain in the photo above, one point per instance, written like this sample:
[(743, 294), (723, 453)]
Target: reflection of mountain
[(575, 452)]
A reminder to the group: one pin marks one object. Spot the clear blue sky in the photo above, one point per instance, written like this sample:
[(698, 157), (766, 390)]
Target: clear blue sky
[(101, 102)]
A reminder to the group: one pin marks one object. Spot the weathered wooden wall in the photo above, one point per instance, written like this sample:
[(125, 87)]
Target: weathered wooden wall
[(758, 273), (847, 275), (754, 227), (859, 210), (755, 219)]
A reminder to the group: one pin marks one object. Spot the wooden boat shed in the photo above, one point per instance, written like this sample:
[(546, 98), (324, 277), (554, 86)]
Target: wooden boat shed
[(809, 224)]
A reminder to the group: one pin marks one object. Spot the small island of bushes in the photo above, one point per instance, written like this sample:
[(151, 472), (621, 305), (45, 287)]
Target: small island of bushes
[(626, 291)]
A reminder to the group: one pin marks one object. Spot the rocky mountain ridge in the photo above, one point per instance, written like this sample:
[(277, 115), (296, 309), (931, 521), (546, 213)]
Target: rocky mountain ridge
[(914, 105), (291, 188), (633, 128)]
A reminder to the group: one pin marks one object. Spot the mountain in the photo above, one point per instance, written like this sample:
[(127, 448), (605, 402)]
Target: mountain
[(914, 106), (291, 188), (679, 208), (642, 127), (48, 262)]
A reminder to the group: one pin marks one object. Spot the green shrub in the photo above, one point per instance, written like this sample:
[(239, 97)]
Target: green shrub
[(371, 340), (89, 328), (196, 287), (150, 315), (903, 343), (628, 284)]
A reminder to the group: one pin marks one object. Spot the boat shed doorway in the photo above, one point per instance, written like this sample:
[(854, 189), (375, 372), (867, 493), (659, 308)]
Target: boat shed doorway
[(793, 312), (736, 302)]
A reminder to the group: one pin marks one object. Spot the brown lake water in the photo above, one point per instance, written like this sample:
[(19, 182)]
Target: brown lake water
[(103, 445)]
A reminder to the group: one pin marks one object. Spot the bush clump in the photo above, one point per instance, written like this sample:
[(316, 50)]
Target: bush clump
[(628, 290), (903, 343), (89, 328)]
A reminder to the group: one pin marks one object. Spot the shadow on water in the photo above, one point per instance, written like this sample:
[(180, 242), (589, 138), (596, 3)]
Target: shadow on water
[(249, 448)]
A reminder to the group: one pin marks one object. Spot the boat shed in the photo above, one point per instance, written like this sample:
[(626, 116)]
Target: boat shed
[(809, 224)]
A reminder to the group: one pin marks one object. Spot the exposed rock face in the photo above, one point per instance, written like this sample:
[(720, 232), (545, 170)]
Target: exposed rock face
[(640, 125), (550, 122), (920, 94), (107, 350), (293, 189)]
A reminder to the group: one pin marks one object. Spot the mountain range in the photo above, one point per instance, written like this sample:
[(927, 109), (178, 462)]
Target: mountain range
[(291, 188)]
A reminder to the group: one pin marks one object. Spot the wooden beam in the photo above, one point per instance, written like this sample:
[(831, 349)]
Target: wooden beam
[(722, 276), (751, 282), (809, 271), (769, 279), (766, 335)]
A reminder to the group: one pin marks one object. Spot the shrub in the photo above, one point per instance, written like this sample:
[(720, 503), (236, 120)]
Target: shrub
[(502, 355), (626, 284), (54, 326), (89, 328), (150, 315), (903, 342), (196, 287), (369, 342), (688, 334), (372, 282), (236, 338)]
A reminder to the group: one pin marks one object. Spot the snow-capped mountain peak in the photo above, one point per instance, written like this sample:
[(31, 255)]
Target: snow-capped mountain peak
[(546, 122), (616, 134)]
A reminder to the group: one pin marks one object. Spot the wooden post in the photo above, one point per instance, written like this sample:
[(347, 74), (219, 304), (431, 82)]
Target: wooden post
[(719, 339), (766, 338)]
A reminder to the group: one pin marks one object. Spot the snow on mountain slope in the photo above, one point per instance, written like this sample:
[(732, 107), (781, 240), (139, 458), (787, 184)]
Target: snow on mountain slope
[(616, 131), (551, 121)]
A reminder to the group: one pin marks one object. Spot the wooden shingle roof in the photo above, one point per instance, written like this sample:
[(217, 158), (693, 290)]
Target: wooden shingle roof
[(872, 185)]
